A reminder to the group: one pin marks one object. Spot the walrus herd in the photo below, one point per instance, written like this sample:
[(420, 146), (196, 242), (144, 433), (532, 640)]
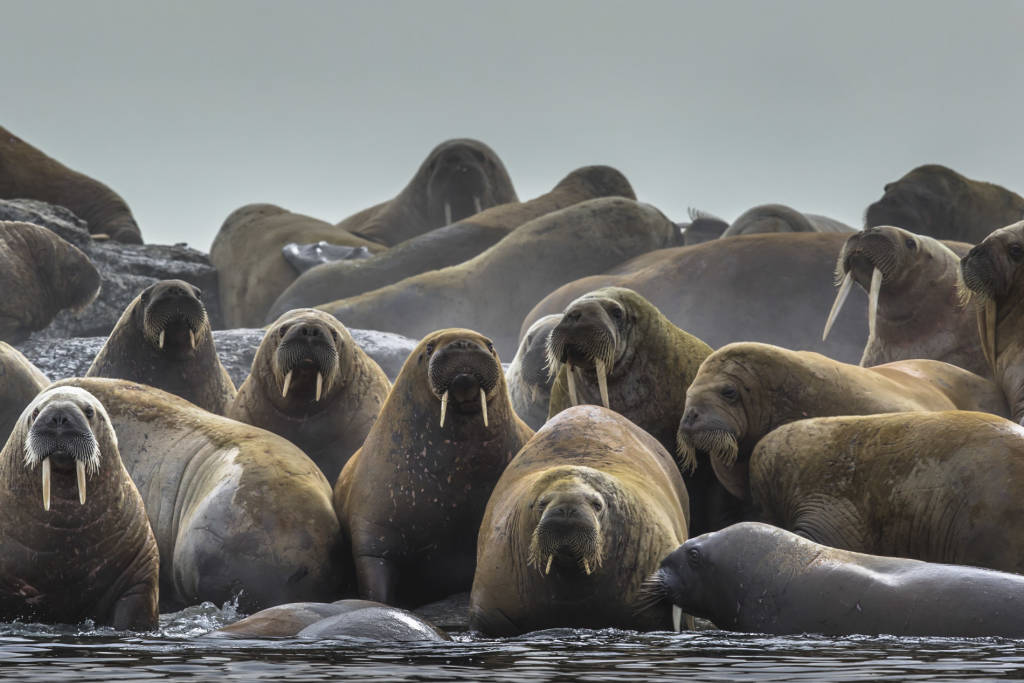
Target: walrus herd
[(698, 422)]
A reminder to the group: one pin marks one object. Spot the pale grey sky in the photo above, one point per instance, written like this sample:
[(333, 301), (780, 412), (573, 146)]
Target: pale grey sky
[(191, 109)]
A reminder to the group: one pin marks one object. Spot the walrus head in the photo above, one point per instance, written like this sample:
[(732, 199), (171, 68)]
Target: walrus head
[(461, 178), (305, 362), (172, 317), (532, 355), (919, 201), (60, 438), (463, 372), (569, 509)]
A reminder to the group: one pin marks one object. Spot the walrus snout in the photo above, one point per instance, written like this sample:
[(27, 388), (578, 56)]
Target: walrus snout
[(60, 435), (174, 318), (458, 186), (465, 370), (703, 429), (568, 535), (978, 271), (306, 359)]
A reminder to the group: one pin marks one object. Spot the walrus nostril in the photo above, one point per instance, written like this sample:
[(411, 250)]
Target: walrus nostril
[(573, 316), (689, 417)]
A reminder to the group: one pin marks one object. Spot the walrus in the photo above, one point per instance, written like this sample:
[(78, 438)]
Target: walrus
[(42, 275), (758, 578), (773, 218), (583, 239), (459, 178), (285, 621), (411, 499), (914, 307), (75, 543), (937, 201), (447, 246), (237, 512), (163, 339), (28, 173), (312, 384), (702, 227), (993, 284), (938, 487), (251, 267), (744, 390), (579, 519), (20, 382), (528, 377)]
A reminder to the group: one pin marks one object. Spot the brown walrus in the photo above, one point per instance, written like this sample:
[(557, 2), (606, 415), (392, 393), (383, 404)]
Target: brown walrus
[(743, 391), (411, 499), (75, 542), (459, 178), (914, 308), (528, 377), (251, 267), (939, 487), (781, 218), (20, 382), (579, 519), (163, 339), (937, 201), (42, 274), (312, 384), (26, 172), (237, 512), (993, 286), (447, 246)]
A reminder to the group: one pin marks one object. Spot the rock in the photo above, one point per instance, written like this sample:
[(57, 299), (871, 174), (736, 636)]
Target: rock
[(56, 218)]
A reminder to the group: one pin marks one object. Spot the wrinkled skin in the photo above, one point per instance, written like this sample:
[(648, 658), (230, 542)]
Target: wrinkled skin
[(939, 202), (20, 382), (186, 365), (449, 245), (330, 429), (758, 578), (236, 510), (993, 279), (251, 267), (577, 522), (745, 390), (939, 487), (459, 178), (780, 218), (26, 172), (42, 274), (411, 499), (93, 560), (582, 239), (528, 376)]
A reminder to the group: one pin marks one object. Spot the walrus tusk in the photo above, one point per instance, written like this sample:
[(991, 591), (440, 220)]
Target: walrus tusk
[(602, 382), (319, 385), (572, 386), (990, 333), (447, 213), (677, 617), (444, 406), (844, 291), (547, 568), (161, 339), (483, 404), (191, 337), (46, 484), (690, 624), (287, 383), (876, 286), (80, 470), (476, 202), (586, 566)]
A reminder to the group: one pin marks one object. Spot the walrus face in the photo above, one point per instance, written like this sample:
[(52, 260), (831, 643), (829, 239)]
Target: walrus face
[(992, 270), (567, 537), (173, 318), (458, 185), (59, 438), (918, 200), (714, 419), (305, 363), (680, 580), (532, 355), (463, 372)]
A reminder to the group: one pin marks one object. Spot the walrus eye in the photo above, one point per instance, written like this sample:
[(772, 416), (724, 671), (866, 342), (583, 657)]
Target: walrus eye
[(490, 347), (911, 244), (617, 313), (283, 330), (430, 348), (1016, 251), (693, 557), (334, 335), (729, 394), (597, 505), (89, 412)]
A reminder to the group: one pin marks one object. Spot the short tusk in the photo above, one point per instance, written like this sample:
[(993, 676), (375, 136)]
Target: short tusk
[(876, 287), (677, 618), (287, 383), (586, 566), (483, 404), (444, 406), (192, 337), (547, 567), (602, 382), (80, 470), (161, 339), (844, 291), (46, 484), (319, 385)]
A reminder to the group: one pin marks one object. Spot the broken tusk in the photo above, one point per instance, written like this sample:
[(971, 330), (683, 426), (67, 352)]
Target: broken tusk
[(844, 291)]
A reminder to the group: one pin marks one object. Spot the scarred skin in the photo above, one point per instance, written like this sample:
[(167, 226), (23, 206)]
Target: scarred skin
[(20, 382), (42, 274), (235, 510), (354, 388), (528, 376), (773, 218), (746, 390), (594, 466), (77, 561), (937, 201), (132, 350), (461, 172), (939, 487), (920, 314), (761, 579), (446, 246), (26, 172), (411, 499)]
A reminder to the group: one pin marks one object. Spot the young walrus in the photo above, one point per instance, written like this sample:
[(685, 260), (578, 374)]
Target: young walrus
[(411, 499)]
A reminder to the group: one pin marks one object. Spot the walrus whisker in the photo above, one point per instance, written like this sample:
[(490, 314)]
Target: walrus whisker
[(686, 454), (80, 471), (444, 405), (287, 383), (46, 484), (161, 342), (483, 404), (876, 287), (447, 213), (573, 401), (476, 203), (844, 291), (602, 381)]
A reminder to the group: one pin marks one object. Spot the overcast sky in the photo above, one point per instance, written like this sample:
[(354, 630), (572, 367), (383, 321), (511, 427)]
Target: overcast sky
[(192, 109)]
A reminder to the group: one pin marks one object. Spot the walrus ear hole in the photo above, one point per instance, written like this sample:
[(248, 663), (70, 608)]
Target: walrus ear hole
[(911, 244), (616, 312), (729, 393), (89, 412), (430, 348), (1016, 251), (282, 330), (693, 557), (198, 292)]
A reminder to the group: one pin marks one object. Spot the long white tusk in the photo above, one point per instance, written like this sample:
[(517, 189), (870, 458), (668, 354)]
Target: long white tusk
[(876, 286), (483, 404), (319, 385), (990, 333), (547, 568), (192, 337), (80, 470), (447, 213), (287, 383), (46, 484), (572, 386), (161, 339), (476, 201), (677, 617), (844, 291), (444, 406), (602, 382)]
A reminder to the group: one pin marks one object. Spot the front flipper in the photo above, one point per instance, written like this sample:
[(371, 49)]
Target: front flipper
[(378, 579)]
